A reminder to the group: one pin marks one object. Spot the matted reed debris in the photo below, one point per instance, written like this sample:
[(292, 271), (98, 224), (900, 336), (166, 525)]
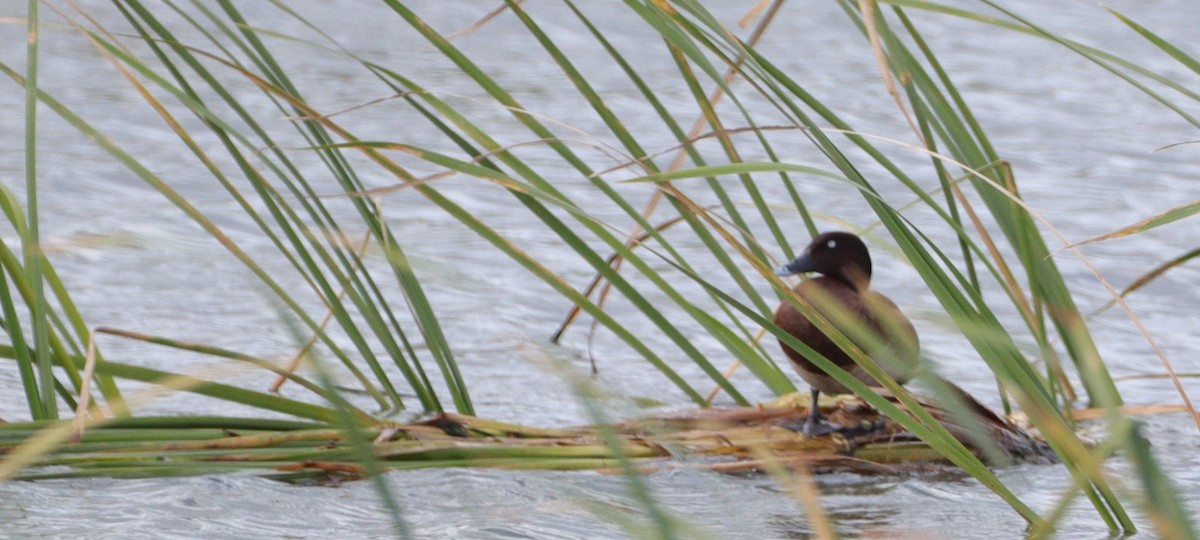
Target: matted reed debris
[(721, 439)]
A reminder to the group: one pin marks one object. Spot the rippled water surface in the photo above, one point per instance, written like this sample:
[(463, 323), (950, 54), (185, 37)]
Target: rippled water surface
[(1081, 142)]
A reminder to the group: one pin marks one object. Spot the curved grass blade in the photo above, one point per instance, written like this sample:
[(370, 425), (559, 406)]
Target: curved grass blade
[(1148, 277), (492, 149), (1187, 60), (532, 204), (307, 251), (1169, 216), (1102, 58), (639, 155), (914, 253), (422, 310), (208, 388)]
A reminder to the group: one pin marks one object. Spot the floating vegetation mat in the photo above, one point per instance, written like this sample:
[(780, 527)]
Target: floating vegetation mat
[(722, 439)]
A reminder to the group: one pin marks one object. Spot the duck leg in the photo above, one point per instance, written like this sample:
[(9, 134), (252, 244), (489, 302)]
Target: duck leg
[(816, 425)]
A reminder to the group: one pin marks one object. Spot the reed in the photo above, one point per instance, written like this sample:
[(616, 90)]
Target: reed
[(713, 194)]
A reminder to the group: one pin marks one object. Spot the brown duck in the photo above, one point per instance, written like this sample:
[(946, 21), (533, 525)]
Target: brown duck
[(842, 295)]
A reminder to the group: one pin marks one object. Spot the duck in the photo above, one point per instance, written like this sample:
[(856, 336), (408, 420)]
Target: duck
[(842, 294)]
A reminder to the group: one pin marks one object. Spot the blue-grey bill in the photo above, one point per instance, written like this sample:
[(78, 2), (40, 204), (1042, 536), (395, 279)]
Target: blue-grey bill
[(803, 263)]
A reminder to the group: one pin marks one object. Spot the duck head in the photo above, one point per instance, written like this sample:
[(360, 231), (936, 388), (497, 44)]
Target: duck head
[(836, 255)]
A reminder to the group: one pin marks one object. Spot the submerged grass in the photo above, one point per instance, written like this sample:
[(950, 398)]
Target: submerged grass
[(286, 200)]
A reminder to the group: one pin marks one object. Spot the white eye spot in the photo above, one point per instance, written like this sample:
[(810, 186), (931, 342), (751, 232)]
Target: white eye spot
[(831, 244)]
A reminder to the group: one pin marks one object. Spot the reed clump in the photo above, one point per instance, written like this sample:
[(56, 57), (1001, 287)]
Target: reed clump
[(715, 196)]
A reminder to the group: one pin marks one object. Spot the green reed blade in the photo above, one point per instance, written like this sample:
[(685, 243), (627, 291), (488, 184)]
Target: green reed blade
[(427, 321), (207, 388), (1184, 58), (630, 143), (31, 247), (306, 252), (1174, 214), (569, 236)]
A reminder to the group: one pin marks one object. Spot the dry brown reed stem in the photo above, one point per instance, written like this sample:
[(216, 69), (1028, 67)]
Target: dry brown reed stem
[(85, 390), (867, 9)]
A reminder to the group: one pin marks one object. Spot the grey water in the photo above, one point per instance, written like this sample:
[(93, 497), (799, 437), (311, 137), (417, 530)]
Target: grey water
[(1090, 154)]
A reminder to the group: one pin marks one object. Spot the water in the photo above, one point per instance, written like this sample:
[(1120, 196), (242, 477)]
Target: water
[(1082, 145)]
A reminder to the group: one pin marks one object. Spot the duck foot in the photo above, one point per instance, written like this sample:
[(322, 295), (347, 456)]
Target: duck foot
[(820, 427), (814, 427)]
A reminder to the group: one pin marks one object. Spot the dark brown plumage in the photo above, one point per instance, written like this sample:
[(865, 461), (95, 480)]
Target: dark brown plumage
[(842, 294)]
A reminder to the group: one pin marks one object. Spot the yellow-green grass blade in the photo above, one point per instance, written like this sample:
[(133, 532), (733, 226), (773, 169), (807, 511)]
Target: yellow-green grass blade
[(639, 155), (652, 99), (21, 351), (231, 355), (422, 310), (1170, 216), (1098, 60), (59, 331), (154, 181), (492, 150), (362, 345), (881, 209), (208, 388), (306, 254), (363, 284), (1046, 283), (1178, 54), (588, 397), (1167, 512), (1103, 58), (744, 167), (1150, 276), (347, 419)]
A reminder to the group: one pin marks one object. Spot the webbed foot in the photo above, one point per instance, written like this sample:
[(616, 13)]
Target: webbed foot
[(814, 427)]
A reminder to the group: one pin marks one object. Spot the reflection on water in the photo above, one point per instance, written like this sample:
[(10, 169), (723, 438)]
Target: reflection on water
[(1078, 145)]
